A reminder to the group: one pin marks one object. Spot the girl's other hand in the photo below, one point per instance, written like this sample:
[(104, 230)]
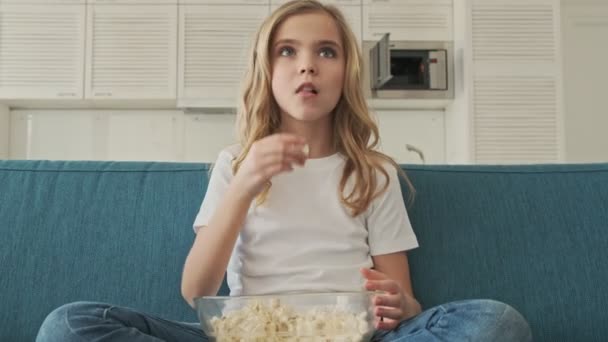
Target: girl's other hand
[(268, 157), (389, 306)]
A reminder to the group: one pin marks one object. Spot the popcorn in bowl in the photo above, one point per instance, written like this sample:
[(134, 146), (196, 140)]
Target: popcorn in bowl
[(298, 317)]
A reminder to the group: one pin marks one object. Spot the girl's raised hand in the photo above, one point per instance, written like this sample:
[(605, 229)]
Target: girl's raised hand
[(268, 157)]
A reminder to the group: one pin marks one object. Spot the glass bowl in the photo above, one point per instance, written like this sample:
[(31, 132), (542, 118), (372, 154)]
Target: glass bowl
[(327, 316)]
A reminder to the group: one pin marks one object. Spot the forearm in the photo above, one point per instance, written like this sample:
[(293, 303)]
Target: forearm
[(208, 258)]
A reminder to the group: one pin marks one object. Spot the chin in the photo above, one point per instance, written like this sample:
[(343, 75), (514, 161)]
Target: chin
[(309, 114)]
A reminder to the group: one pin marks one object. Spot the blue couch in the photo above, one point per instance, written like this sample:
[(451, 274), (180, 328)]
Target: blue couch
[(532, 236)]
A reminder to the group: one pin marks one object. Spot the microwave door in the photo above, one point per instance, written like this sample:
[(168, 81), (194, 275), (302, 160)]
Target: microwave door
[(438, 70), (380, 63)]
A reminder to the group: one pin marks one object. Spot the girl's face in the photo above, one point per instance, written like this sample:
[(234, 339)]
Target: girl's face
[(307, 60)]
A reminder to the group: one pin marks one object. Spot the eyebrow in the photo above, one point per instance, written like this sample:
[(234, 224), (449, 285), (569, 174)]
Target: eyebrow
[(317, 42)]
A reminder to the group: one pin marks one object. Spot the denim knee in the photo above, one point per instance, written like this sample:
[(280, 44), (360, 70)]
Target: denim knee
[(505, 323), (59, 325)]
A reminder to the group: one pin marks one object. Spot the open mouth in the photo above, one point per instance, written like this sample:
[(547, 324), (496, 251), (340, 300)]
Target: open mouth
[(307, 88)]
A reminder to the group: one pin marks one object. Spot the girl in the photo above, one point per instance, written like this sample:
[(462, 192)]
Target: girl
[(303, 203)]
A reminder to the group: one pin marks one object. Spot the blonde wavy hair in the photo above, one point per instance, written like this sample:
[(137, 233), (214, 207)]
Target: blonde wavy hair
[(355, 131)]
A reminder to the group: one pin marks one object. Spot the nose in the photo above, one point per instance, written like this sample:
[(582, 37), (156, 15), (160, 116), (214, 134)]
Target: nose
[(307, 65), (307, 70)]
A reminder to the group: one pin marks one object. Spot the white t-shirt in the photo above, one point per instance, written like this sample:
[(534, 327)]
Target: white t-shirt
[(303, 239)]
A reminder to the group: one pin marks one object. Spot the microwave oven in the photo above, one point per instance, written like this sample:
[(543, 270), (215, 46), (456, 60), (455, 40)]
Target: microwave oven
[(408, 69)]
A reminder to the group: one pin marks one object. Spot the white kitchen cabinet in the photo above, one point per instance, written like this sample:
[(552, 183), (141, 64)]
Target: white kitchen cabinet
[(53, 134), (213, 44), (132, 2), (408, 19), (516, 95), (205, 135), (131, 52), (131, 135), (333, 2), (44, 2), (402, 133), (5, 131), (585, 25), (224, 2), (41, 51), (142, 135), (351, 9)]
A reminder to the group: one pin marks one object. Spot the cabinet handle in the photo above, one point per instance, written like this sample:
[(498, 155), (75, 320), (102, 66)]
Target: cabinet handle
[(66, 94), (103, 94)]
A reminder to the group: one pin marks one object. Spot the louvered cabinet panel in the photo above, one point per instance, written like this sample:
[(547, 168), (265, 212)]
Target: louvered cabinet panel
[(214, 41), (408, 19), (517, 110), (41, 51), (333, 2), (134, 2), (224, 2), (131, 52), (44, 2), (519, 32), (515, 119), (350, 9)]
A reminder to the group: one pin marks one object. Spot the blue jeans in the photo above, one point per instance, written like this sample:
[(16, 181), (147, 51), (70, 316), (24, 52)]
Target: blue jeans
[(469, 320)]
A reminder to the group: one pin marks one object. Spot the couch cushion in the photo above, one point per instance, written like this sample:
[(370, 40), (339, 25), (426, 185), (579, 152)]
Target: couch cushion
[(99, 231), (532, 236)]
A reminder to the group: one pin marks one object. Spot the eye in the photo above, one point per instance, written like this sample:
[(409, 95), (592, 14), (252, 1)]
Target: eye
[(327, 52), (286, 51)]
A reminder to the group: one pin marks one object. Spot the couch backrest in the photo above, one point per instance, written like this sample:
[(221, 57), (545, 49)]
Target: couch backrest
[(532, 236), (99, 231), (118, 232)]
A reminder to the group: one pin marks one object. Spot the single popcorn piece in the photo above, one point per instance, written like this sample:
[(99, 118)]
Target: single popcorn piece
[(280, 323), (306, 149)]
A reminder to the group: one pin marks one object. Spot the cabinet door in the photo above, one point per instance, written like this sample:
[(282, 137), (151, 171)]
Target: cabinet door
[(135, 2), (54, 134), (142, 135), (44, 2), (131, 52), (213, 44), (516, 81), (224, 2), (41, 51), (408, 19), (585, 68), (139, 135), (415, 137), (351, 9), (205, 135), (333, 2)]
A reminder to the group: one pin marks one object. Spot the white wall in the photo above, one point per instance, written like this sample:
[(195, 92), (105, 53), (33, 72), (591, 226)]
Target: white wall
[(585, 28), (4, 132)]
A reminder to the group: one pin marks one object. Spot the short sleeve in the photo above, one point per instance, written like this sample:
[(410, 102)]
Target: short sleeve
[(221, 176), (388, 224)]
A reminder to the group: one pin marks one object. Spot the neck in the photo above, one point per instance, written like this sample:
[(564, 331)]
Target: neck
[(318, 134)]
